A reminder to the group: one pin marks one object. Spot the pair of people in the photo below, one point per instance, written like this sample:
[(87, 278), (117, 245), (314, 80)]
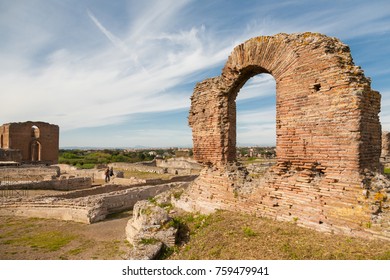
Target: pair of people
[(109, 172)]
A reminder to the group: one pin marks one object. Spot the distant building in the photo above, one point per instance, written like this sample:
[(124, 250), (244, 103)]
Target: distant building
[(29, 142)]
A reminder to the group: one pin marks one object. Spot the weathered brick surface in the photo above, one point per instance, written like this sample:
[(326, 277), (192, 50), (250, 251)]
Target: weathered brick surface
[(327, 130), (37, 141), (385, 155), (10, 155)]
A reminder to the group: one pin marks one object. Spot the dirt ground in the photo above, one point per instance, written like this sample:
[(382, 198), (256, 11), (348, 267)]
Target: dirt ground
[(45, 239)]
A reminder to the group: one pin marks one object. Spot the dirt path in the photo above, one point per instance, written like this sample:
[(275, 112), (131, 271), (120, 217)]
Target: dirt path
[(32, 239)]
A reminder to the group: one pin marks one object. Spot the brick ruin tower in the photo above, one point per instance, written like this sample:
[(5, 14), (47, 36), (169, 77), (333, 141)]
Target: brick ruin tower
[(328, 138)]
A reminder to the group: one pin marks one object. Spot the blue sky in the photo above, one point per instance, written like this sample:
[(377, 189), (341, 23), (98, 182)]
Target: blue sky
[(121, 73)]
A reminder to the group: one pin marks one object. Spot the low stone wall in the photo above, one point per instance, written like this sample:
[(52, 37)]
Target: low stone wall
[(175, 166), (55, 184), (137, 167), (28, 173), (179, 163), (74, 171), (10, 155), (134, 181), (306, 197), (83, 206)]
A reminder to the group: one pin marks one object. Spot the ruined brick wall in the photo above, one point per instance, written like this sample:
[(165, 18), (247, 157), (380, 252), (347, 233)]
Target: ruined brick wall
[(37, 141), (385, 155), (328, 138), (325, 109), (10, 155)]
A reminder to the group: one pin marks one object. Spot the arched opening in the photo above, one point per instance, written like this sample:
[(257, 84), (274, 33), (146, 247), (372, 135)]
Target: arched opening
[(35, 151), (35, 133), (1, 141), (256, 124)]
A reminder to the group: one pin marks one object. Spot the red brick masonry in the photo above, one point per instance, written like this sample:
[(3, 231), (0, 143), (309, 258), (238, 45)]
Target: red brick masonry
[(328, 138)]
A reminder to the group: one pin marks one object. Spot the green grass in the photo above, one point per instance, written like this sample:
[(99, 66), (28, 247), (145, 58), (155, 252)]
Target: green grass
[(249, 232), (49, 241), (148, 241), (34, 238), (227, 235)]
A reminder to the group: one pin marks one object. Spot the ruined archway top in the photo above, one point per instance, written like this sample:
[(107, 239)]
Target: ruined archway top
[(279, 54), (311, 71)]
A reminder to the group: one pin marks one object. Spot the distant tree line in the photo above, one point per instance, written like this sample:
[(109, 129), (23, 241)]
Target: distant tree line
[(90, 158)]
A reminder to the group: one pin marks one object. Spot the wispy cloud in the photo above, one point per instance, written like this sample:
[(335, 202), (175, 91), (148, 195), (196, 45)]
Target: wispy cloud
[(114, 40), (77, 66)]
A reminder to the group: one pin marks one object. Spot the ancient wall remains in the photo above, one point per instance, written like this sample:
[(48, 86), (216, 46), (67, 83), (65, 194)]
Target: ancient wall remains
[(64, 184), (179, 166), (137, 167), (10, 155), (385, 155), (85, 206), (328, 138), (175, 166), (28, 173), (37, 141)]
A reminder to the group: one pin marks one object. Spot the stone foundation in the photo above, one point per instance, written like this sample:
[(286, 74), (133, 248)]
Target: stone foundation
[(66, 184), (28, 173), (305, 197), (10, 155), (85, 206)]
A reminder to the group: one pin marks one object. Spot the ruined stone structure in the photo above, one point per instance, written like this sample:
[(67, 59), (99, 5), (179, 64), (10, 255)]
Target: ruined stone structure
[(83, 205), (385, 155), (36, 141), (328, 138), (10, 155)]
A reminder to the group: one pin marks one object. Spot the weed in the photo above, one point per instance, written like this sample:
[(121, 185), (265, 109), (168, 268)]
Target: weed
[(148, 241), (384, 256), (174, 222), (146, 211), (287, 248), (76, 251), (166, 205), (166, 252), (249, 232), (177, 195)]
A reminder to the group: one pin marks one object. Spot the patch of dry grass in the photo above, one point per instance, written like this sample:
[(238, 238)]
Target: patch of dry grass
[(146, 175), (36, 239), (227, 235)]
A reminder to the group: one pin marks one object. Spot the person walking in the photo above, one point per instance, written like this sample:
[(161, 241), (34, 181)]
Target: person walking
[(107, 173)]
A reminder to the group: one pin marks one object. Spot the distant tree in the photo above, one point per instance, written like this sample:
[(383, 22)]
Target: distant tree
[(141, 156)]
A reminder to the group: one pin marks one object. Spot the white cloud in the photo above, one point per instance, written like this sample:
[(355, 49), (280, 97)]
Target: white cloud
[(102, 74), (261, 85)]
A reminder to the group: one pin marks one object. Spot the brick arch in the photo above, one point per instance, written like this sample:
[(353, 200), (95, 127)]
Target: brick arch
[(326, 112)]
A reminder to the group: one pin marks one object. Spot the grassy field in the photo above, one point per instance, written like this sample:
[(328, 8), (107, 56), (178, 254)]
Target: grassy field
[(223, 235), (46, 239), (226, 235)]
